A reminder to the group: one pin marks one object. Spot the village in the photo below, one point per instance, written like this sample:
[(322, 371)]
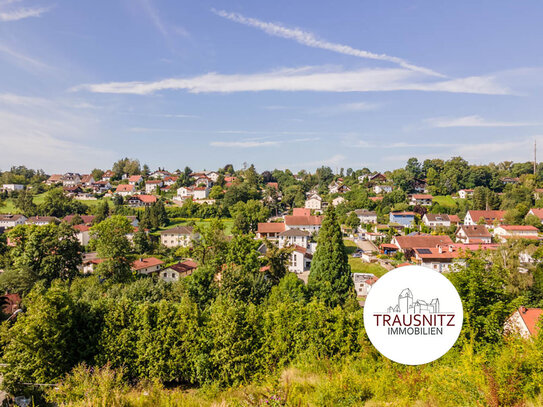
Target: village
[(395, 229)]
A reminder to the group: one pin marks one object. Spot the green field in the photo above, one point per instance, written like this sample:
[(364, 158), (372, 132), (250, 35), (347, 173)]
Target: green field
[(446, 201), (360, 266), (228, 223), (9, 204)]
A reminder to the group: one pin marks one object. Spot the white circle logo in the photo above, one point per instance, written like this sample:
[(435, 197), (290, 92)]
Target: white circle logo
[(413, 315)]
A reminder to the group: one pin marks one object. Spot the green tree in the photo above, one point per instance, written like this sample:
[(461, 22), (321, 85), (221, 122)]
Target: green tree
[(25, 203), (112, 245), (330, 276), (247, 215), (57, 203), (101, 212)]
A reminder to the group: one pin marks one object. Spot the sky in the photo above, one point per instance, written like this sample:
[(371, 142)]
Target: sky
[(281, 84)]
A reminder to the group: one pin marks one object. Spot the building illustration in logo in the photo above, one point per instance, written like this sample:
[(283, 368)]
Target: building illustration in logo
[(406, 305)]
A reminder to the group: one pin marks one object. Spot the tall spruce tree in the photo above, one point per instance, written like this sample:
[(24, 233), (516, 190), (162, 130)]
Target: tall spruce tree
[(330, 277)]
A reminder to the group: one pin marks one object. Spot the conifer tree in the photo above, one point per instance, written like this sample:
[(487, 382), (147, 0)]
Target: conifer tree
[(330, 276)]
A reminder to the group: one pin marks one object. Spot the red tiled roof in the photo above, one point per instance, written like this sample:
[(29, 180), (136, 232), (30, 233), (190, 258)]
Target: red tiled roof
[(273, 185), (301, 212), (520, 227), (81, 228), (389, 246), (537, 212), (376, 198), (422, 196), (86, 218), (145, 263), (134, 178), (303, 220), (125, 188), (530, 316), (146, 198), (271, 227), (412, 242), (475, 231), (489, 216), (184, 266), (454, 218), (154, 182)]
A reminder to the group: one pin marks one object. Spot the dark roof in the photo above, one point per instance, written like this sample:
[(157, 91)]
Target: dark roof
[(179, 230), (294, 232)]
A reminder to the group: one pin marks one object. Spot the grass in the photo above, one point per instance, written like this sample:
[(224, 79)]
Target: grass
[(228, 223), (360, 266), (9, 204), (446, 201)]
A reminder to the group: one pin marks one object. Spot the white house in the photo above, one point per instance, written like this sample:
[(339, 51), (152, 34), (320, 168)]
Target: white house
[(180, 236), (465, 193), (314, 202), (70, 179), (87, 180), (125, 190), (294, 237), (300, 260), (421, 199), (194, 192), (82, 233), (436, 219), (363, 283), (338, 200), (382, 189), (135, 180), (147, 265), (151, 186), (13, 187), (177, 271), (366, 216), (41, 220), (10, 221), (483, 217), (169, 181), (160, 174), (505, 232), (473, 234), (524, 322), (333, 187), (309, 223)]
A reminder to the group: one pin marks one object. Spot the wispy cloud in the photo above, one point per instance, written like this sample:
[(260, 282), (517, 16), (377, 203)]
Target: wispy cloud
[(260, 142), (165, 29), (309, 39), (22, 59), (321, 79), (473, 121), (19, 13)]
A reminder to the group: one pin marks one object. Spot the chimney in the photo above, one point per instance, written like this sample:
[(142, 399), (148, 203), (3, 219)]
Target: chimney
[(523, 309), (440, 249), (450, 248)]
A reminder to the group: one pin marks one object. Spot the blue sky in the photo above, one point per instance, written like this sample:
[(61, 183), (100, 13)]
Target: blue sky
[(280, 84)]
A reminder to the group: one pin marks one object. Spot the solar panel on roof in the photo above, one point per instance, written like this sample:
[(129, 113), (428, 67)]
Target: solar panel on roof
[(424, 251)]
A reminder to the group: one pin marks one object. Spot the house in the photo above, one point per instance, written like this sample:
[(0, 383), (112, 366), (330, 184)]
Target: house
[(421, 199), (377, 178), (177, 271), (10, 221), (363, 283), (169, 181), (212, 175), (524, 322), (180, 236), (72, 191), (366, 216), (203, 182), (314, 202), (343, 189), (125, 189), (300, 260), (338, 200), (70, 179), (439, 258), (160, 174), (82, 233), (87, 180), (41, 220), (382, 189), (100, 187), (54, 179), (505, 232), (418, 240), (147, 265), (405, 219), (137, 201), (273, 185), (487, 217), (375, 198), (301, 212), (194, 192), (510, 180), (269, 230), (12, 187), (388, 248), (151, 186), (537, 212), (87, 219), (465, 193), (293, 237), (473, 234), (434, 220), (108, 175), (133, 221), (135, 180), (333, 187), (308, 223), (420, 185)]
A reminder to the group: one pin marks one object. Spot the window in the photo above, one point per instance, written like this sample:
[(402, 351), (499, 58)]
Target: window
[(165, 275)]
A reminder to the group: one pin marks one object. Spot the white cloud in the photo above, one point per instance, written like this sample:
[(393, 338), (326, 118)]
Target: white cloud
[(244, 144), (309, 39), (473, 121), (22, 59), (317, 79), (21, 13)]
